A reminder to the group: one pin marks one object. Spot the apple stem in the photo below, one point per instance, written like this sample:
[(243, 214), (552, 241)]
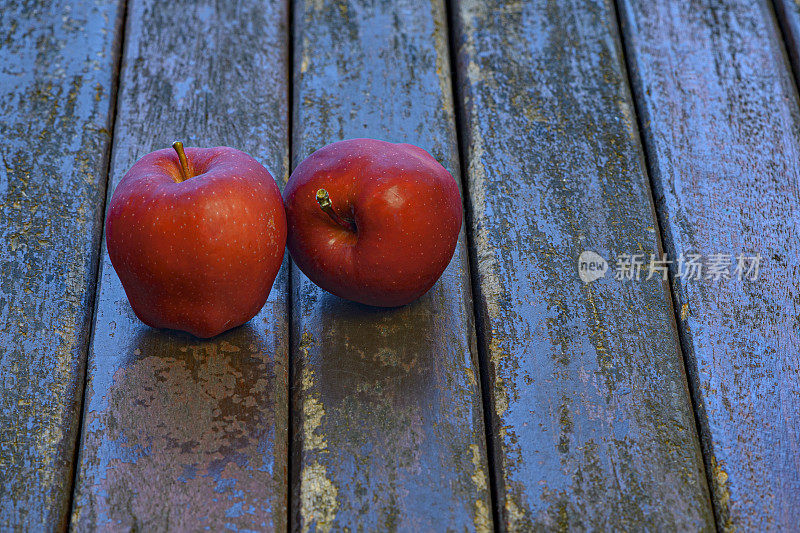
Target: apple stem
[(178, 146), (324, 201)]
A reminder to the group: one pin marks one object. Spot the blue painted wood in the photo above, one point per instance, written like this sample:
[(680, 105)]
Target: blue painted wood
[(722, 129), (388, 423), (592, 420), (57, 75), (180, 433)]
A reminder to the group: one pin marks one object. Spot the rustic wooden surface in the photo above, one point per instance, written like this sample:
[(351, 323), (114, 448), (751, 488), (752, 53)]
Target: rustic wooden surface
[(592, 420), (180, 433), (57, 72), (722, 129), (388, 423)]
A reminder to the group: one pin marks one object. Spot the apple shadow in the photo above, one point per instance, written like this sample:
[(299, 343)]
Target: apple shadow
[(364, 347), (383, 401), (202, 421)]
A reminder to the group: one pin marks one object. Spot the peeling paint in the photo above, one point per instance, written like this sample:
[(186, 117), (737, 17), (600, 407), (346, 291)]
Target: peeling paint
[(317, 498)]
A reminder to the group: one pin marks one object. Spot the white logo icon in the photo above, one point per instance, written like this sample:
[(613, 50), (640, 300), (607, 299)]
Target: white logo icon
[(591, 266)]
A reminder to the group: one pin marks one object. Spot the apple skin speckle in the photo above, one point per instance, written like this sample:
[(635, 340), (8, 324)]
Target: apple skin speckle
[(199, 255), (406, 208)]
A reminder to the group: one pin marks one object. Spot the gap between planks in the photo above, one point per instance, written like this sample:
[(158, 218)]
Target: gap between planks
[(472, 261), (682, 343), (119, 50)]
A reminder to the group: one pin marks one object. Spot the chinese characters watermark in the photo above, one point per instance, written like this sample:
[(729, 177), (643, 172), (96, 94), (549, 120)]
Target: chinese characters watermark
[(688, 267)]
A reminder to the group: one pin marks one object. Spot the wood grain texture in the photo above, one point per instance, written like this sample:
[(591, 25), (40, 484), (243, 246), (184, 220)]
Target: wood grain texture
[(181, 433), (57, 71), (592, 420), (388, 424), (722, 129)]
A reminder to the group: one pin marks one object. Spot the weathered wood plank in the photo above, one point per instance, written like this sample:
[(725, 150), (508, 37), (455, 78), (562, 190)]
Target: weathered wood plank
[(57, 72), (388, 424), (722, 129), (592, 420), (180, 433)]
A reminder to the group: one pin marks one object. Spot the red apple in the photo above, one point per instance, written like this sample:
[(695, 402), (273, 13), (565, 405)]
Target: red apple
[(371, 221), (196, 238)]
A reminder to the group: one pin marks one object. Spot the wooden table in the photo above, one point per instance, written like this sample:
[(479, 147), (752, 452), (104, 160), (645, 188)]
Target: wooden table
[(515, 395)]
